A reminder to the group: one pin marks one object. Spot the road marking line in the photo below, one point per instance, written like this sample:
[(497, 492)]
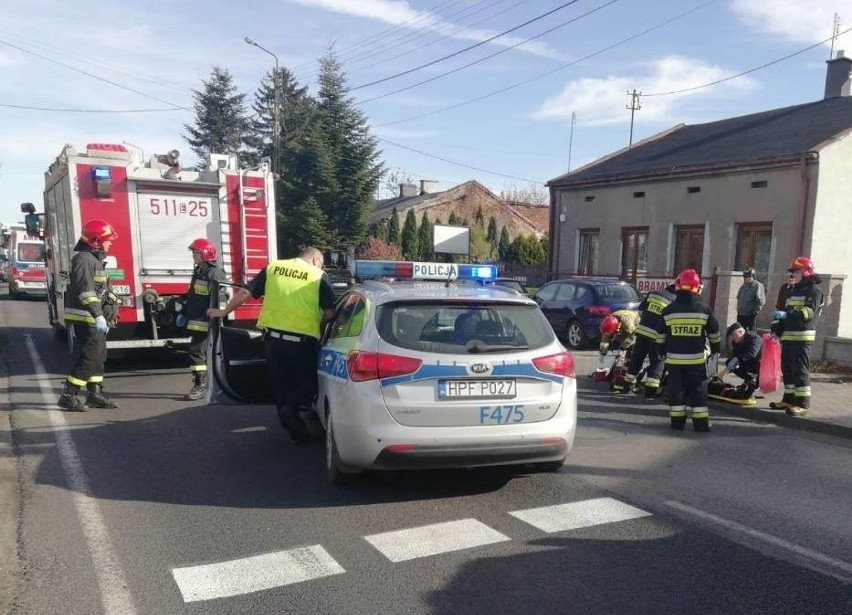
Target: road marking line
[(834, 565), (115, 594), (576, 515), (253, 574), (402, 545)]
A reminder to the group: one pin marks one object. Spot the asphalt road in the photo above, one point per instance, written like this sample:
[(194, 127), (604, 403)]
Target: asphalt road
[(166, 506)]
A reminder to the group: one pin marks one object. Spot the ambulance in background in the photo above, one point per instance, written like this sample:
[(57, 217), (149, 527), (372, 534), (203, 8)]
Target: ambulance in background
[(26, 267), (157, 208)]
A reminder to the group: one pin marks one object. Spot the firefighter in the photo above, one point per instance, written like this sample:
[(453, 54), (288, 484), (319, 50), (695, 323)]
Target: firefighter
[(795, 324), (193, 315), (651, 310), (746, 348), (687, 325), (89, 306), (297, 298), (619, 328)]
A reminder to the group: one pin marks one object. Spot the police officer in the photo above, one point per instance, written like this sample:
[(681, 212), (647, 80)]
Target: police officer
[(687, 324), (297, 298), (746, 348), (651, 310), (89, 306), (795, 324), (193, 315), (619, 328)]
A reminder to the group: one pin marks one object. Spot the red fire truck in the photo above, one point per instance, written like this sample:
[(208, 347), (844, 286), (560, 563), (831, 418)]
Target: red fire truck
[(157, 208)]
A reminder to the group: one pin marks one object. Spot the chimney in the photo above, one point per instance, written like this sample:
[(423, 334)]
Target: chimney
[(837, 76), (428, 186), (407, 190)]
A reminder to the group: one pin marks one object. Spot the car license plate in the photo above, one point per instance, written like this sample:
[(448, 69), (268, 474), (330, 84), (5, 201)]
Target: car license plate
[(121, 289), (32, 284), (477, 389)]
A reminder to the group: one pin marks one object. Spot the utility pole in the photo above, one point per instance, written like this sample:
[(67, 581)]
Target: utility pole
[(834, 34), (634, 106), (571, 138), (276, 125)]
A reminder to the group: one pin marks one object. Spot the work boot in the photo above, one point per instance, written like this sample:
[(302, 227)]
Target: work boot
[(702, 424), (785, 403), (68, 398), (199, 386), (678, 422), (96, 398), (293, 423), (796, 411)]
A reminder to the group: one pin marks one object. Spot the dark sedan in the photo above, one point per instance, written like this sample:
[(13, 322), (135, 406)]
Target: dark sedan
[(575, 307)]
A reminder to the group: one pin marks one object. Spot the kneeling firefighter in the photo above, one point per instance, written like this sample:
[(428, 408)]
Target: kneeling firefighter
[(619, 328), (205, 277)]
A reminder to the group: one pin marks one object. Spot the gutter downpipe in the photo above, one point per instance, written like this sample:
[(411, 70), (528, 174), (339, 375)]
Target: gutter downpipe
[(553, 240), (806, 189)]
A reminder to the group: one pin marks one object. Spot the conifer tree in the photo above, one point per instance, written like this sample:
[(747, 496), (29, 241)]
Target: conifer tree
[(393, 228), (409, 240), (503, 244), (221, 124), (424, 235)]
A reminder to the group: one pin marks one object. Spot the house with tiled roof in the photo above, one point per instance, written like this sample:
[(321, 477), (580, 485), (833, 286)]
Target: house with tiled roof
[(750, 191), (464, 200)]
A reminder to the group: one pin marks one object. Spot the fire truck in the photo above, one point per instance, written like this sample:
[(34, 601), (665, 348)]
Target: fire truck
[(157, 208)]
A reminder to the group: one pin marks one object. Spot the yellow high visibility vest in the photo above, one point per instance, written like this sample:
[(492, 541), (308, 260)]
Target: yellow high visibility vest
[(291, 298)]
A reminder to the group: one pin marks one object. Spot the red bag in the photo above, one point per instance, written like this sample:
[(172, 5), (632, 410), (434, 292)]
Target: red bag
[(770, 364)]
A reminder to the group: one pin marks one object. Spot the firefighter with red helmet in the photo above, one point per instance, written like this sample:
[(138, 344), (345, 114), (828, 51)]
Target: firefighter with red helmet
[(88, 312), (206, 275), (686, 326), (651, 310), (619, 328), (795, 324)]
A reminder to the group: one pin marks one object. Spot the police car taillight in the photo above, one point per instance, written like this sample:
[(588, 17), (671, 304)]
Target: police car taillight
[(365, 366), (561, 364)]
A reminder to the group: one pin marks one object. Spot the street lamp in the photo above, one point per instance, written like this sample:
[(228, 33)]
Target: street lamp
[(276, 128)]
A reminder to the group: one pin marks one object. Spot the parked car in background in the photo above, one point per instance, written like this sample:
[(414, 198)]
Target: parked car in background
[(510, 283), (4, 268), (575, 307)]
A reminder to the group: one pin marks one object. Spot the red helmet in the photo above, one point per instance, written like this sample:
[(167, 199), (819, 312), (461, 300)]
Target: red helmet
[(96, 232), (803, 264), (688, 280), (609, 325), (206, 247)]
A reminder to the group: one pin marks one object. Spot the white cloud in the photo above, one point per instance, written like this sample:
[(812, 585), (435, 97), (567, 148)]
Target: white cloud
[(798, 21), (401, 13), (600, 102)]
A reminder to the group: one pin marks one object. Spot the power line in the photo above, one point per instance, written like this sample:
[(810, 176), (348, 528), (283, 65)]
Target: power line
[(488, 57), (550, 72), (62, 110), (460, 164), (466, 49), (92, 75), (751, 70)]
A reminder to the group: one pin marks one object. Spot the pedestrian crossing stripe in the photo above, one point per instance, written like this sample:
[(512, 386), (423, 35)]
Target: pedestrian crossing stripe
[(402, 545), (577, 515)]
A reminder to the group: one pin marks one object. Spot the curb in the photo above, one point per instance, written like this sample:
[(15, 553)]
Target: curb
[(779, 417)]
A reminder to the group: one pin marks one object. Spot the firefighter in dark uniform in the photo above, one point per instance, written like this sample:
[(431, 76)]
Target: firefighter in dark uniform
[(795, 324), (651, 310), (686, 327), (297, 298), (193, 315), (90, 307)]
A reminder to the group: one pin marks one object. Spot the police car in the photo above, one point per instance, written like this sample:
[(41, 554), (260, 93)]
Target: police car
[(424, 372)]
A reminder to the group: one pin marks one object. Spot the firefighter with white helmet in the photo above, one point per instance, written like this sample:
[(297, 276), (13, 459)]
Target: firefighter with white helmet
[(795, 324), (686, 327), (205, 277), (89, 309)]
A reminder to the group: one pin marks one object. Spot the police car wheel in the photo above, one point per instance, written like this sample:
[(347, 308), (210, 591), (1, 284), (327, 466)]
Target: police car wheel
[(336, 471)]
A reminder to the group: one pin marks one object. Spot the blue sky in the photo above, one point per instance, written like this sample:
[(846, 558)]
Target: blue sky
[(164, 50)]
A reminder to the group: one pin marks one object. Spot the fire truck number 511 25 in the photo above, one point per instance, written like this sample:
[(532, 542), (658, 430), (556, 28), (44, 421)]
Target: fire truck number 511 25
[(171, 207)]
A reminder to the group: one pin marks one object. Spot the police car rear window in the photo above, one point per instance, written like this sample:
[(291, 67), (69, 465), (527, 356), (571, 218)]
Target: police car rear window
[(463, 328)]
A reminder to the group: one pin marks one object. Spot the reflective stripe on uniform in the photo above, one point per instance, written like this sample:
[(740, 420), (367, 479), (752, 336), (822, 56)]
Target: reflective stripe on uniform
[(99, 277), (629, 378), (76, 315), (686, 318), (198, 368), (685, 359), (715, 338), (798, 336), (700, 413), (677, 412), (803, 392), (652, 383), (198, 325), (88, 297), (646, 331), (96, 379), (201, 288), (76, 381)]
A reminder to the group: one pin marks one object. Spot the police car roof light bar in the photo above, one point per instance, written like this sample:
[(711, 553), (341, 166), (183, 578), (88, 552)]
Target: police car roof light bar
[(412, 270)]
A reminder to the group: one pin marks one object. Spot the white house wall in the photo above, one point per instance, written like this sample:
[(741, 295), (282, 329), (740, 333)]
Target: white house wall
[(831, 249), (724, 201)]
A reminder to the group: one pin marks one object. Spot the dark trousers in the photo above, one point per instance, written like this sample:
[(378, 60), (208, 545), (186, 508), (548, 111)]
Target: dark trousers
[(646, 347), (748, 373), (198, 352), (796, 370), (747, 321), (292, 371), (89, 355), (687, 384)]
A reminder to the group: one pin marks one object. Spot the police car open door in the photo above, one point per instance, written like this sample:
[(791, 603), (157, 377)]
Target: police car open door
[(236, 365)]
